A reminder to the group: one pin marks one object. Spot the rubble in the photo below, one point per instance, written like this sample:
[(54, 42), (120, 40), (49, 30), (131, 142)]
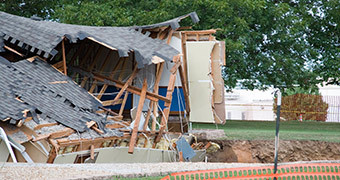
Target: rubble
[(78, 94)]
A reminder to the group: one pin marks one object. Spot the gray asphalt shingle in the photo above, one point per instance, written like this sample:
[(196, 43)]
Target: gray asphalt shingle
[(65, 103), (46, 35)]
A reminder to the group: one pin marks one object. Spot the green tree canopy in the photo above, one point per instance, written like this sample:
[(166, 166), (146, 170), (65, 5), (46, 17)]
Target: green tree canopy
[(277, 43)]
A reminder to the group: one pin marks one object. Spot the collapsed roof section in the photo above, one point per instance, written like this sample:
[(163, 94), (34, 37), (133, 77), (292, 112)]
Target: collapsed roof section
[(42, 37), (34, 88)]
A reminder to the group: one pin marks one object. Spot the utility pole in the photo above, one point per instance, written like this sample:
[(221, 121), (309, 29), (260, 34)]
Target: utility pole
[(278, 93)]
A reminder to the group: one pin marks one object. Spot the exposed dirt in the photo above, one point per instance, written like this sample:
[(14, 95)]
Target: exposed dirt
[(257, 151)]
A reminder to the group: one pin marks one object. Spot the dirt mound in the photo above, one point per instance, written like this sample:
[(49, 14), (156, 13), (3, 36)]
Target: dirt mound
[(262, 151)]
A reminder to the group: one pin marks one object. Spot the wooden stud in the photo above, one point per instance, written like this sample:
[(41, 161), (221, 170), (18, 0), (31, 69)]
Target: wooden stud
[(167, 105), (185, 71), (185, 89), (102, 91), (170, 36), (120, 77), (57, 134), (52, 155), (127, 83), (123, 103), (155, 90), (94, 84), (132, 89), (92, 152), (138, 115), (97, 130), (94, 61), (64, 56)]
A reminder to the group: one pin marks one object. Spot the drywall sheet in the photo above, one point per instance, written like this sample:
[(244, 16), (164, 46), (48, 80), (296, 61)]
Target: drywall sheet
[(140, 155), (200, 83), (3, 151), (66, 158)]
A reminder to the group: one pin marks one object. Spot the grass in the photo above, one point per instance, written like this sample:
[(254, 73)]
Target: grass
[(265, 130)]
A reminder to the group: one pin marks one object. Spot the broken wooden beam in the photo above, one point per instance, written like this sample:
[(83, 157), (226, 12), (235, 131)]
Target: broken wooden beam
[(138, 116)]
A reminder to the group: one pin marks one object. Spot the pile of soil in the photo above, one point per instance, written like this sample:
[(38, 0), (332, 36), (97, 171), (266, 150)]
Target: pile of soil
[(262, 151)]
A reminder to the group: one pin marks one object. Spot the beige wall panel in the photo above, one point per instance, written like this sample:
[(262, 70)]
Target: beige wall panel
[(140, 155), (200, 85), (3, 151), (65, 158), (35, 152)]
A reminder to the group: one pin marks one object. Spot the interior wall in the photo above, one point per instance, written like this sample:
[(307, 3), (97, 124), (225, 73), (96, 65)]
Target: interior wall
[(200, 82)]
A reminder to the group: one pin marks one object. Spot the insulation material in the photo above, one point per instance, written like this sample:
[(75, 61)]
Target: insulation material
[(200, 84)]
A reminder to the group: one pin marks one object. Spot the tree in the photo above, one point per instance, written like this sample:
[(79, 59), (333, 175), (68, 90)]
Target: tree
[(277, 43)]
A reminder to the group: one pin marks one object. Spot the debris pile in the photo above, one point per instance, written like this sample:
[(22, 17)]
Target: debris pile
[(82, 94)]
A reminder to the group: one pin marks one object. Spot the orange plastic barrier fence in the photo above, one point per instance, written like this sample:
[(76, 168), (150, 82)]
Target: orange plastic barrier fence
[(313, 171)]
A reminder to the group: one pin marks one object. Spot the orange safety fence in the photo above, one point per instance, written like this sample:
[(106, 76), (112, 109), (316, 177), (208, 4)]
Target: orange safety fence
[(312, 171)]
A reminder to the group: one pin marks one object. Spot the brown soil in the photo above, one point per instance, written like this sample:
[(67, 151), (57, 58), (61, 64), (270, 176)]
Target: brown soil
[(258, 151)]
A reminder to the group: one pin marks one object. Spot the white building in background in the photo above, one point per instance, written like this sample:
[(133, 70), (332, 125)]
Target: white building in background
[(331, 95), (257, 105)]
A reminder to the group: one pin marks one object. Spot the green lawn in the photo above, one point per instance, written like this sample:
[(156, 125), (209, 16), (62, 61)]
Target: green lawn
[(265, 130)]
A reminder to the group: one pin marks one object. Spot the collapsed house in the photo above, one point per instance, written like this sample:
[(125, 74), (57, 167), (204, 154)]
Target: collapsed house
[(75, 94)]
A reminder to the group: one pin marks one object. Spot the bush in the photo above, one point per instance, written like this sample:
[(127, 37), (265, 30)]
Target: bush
[(311, 106)]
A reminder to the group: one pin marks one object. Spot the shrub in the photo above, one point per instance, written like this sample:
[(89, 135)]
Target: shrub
[(311, 106)]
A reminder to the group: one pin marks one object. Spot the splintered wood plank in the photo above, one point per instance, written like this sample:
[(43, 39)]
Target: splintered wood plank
[(155, 90), (185, 89), (58, 134), (106, 61), (92, 152), (170, 36), (90, 124), (44, 125), (112, 102), (167, 105), (102, 91), (120, 77), (94, 61), (185, 63), (127, 84), (64, 56), (138, 115), (135, 90), (123, 103)]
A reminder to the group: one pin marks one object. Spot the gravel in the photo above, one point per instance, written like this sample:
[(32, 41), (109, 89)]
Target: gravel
[(105, 171)]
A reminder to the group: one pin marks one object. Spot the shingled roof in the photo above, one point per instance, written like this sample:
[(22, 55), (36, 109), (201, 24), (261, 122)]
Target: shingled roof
[(35, 86), (46, 35)]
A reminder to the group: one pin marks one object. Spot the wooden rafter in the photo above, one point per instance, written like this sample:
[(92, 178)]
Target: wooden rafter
[(64, 56)]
